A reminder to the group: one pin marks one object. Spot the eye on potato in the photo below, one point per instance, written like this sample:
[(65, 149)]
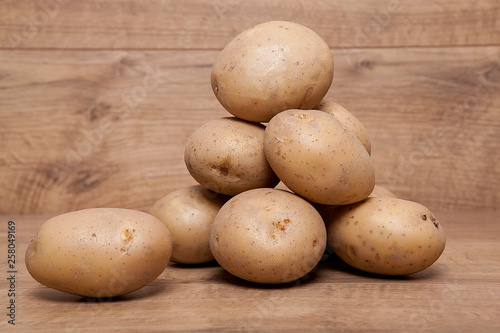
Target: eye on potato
[(226, 155), (189, 214), (317, 158), (99, 252), (388, 236), (268, 236), (272, 67)]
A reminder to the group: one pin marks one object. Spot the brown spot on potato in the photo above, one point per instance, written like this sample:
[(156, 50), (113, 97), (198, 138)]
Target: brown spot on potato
[(281, 225), (127, 236), (223, 166), (435, 222)]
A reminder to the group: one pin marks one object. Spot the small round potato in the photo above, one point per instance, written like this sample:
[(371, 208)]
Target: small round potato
[(189, 213), (316, 157), (347, 119), (268, 236), (388, 236), (226, 155), (99, 252), (272, 67)]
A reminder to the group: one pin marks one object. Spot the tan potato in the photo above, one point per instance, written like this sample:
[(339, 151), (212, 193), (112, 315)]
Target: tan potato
[(226, 155), (317, 158), (348, 120), (380, 191), (99, 252), (272, 67), (189, 213), (387, 236), (268, 236)]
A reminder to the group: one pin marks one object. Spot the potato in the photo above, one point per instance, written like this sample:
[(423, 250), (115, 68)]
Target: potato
[(226, 155), (99, 252), (318, 158), (387, 236), (268, 236), (272, 67), (189, 213), (347, 119), (380, 191)]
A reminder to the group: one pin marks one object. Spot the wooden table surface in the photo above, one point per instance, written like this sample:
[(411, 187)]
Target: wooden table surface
[(459, 293)]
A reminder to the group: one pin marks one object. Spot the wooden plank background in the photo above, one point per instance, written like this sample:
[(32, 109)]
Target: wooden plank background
[(97, 98)]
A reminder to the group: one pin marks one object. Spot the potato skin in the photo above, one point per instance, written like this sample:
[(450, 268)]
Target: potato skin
[(347, 119), (381, 191), (189, 213), (388, 236), (268, 236), (318, 158), (99, 252), (226, 155), (272, 67)]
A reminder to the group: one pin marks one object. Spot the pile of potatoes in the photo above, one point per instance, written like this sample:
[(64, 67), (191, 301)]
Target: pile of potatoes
[(286, 177), (289, 172)]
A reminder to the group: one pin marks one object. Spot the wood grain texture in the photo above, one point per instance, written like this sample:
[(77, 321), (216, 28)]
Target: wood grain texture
[(97, 98), (459, 293), (91, 120), (433, 116), (199, 24), (108, 128)]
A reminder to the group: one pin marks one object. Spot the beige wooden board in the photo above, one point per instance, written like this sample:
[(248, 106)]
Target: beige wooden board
[(200, 24), (107, 128), (459, 293)]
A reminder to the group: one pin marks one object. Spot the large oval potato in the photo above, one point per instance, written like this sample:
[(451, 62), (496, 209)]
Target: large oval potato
[(347, 119), (272, 67), (189, 213), (226, 155), (268, 236), (319, 159), (386, 235), (99, 252)]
